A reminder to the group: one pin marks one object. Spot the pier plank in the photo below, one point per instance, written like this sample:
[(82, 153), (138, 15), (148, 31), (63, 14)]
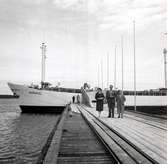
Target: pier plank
[(162, 124), (145, 144), (80, 145), (148, 135)]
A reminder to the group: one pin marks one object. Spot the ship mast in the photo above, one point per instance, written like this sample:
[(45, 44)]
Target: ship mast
[(43, 48)]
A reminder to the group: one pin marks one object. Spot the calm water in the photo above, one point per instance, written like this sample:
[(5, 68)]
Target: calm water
[(22, 136)]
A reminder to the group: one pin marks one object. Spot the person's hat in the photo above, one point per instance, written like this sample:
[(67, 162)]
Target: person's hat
[(99, 89)]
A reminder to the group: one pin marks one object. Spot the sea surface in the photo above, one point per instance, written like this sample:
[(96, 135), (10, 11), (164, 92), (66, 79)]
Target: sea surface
[(22, 136)]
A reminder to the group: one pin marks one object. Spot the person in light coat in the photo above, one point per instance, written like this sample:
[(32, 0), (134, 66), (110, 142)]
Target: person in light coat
[(120, 103), (78, 99)]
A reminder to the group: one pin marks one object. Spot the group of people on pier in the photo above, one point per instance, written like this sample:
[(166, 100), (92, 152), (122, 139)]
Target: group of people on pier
[(112, 98), (77, 98)]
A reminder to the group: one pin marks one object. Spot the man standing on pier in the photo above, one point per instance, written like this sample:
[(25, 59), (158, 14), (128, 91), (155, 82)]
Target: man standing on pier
[(73, 99), (110, 96)]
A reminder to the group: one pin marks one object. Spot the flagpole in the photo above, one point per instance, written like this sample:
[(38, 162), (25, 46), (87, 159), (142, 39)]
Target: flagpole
[(134, 41), (102, 73), (98, 75), (107, 69), (115, 67), (165, 52), (122, 63)]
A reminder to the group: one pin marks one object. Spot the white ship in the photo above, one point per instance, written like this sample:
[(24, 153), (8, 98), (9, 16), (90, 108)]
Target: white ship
[(40, 101)]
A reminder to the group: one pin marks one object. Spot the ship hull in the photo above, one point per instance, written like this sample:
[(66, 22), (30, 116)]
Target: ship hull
[(41, 109), (40, 101)]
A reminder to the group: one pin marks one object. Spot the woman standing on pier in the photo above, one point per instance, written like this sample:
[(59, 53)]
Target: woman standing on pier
[(120, 103), (99, 100)]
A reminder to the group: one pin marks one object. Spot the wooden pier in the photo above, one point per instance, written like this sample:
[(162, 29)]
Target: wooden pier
[(82, 137), (147, 133), (80, 145), (77, 143)]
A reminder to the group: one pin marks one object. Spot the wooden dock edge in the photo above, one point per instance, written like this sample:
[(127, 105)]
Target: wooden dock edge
[(52, 153)]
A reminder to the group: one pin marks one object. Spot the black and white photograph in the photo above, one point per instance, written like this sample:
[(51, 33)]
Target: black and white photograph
[(83, 82)]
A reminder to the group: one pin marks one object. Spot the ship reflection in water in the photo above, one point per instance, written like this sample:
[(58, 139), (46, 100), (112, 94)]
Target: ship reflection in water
[(22, 136)]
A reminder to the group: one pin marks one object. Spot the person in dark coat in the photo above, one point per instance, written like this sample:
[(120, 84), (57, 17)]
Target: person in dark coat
[(99, 100), (120, 103), (73, 99), (110, 96)]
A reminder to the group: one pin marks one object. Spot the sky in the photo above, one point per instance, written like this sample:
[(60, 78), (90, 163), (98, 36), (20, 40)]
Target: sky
[(79, 34)]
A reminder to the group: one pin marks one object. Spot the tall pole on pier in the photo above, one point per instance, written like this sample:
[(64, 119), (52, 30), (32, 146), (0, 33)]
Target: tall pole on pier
[(43, 48), (98, 75), (165, 52), (115, 67), (102, 73), (122, 63), (107, 69), (134, 41)]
